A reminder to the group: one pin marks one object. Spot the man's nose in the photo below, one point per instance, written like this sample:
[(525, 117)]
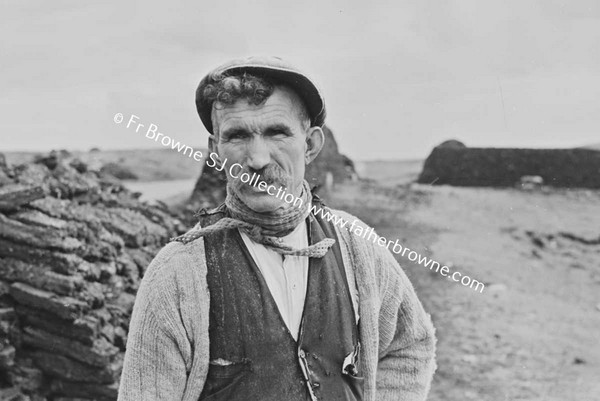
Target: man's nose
[(259, 155)]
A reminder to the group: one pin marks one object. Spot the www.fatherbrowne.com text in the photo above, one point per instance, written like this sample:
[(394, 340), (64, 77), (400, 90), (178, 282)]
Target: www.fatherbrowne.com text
[(368, 233)]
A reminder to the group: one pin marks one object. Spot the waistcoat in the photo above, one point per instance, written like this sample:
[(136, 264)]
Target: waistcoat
[(253, 356)]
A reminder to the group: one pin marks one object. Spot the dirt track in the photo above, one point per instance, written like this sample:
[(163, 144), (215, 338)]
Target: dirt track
[(533, 334)]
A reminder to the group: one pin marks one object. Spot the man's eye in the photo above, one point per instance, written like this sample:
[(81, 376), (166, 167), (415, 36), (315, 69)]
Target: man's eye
[(235, 135), (278, 132)]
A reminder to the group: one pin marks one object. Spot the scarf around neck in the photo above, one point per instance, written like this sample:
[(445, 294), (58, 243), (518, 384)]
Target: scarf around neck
[(264, 228)]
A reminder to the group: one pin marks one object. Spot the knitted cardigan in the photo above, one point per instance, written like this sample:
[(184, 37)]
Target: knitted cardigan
[(167, 352)]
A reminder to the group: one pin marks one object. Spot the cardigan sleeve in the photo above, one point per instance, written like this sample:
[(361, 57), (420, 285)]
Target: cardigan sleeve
[(157, 355), (407, 345)]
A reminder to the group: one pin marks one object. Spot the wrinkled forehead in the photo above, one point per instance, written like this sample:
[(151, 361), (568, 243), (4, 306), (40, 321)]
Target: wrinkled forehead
[(284, 106)]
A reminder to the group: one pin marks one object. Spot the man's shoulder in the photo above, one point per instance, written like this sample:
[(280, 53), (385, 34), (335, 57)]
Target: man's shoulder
[(341, 213), (348, 228), (346, 223), (176, 260), (364, 244)]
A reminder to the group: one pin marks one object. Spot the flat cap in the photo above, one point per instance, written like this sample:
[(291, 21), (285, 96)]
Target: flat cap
[(269, 67)]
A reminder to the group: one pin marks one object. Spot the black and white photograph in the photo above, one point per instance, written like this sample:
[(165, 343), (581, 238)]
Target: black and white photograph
[(300, 201)]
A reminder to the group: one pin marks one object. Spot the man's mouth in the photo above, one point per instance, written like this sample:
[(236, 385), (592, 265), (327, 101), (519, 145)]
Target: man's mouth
[(255, 188)]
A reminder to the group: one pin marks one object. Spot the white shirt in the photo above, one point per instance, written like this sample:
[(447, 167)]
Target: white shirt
[(286, 276)]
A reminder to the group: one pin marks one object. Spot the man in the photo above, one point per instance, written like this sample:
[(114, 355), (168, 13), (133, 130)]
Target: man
[(265, 299)]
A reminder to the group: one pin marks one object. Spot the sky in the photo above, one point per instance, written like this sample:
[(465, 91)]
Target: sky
[(399, 77)]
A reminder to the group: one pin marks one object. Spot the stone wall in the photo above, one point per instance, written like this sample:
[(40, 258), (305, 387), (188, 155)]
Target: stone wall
[(497, 167), (74, 245)]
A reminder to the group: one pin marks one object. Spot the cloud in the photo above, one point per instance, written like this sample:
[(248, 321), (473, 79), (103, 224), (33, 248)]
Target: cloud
[(407, 73)]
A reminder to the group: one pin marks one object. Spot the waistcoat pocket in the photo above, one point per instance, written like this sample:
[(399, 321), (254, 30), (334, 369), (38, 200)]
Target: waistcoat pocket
[(222, 380), (354, 388)]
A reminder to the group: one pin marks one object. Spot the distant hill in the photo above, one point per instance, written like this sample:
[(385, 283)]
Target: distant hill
[(146, 164), (595, 146)]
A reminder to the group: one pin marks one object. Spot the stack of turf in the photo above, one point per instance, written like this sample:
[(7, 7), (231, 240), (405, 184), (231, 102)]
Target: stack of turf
[(452, 163), (73, 247)]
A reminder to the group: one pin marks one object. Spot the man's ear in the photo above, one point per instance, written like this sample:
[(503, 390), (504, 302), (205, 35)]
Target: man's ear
[(315, 139), (212, 143), (212, 147)]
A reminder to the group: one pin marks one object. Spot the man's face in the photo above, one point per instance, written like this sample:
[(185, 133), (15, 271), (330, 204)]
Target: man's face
[(269, 139)]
